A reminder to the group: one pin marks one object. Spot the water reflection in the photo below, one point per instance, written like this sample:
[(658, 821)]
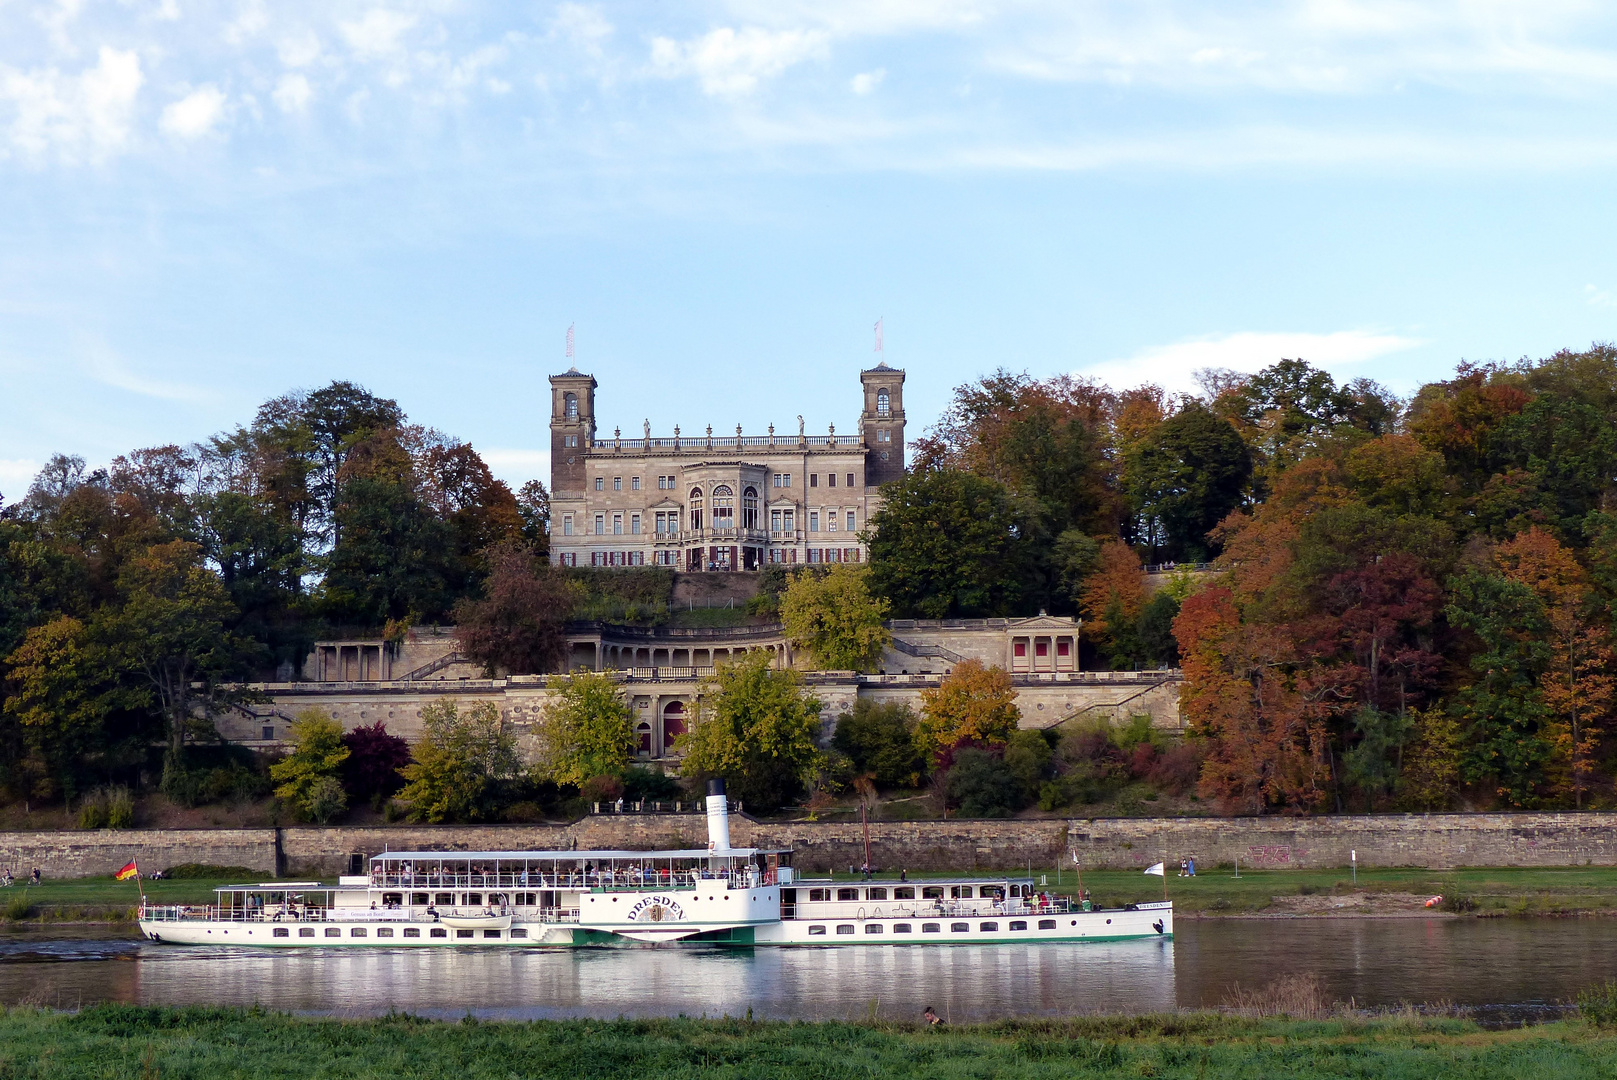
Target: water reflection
[(1375, 962)]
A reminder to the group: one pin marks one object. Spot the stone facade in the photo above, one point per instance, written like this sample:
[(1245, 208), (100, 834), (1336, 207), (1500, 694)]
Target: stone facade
[(702, 502), (1437, 841)]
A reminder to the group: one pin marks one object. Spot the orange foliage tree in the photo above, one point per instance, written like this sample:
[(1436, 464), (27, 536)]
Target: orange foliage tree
[(1116, 589), (972, 703)]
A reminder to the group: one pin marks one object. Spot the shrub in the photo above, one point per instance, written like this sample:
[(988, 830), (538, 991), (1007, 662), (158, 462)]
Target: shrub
[(1598, 1004), (93, 811), (325, 799), (642, 783), (1177, 768), (371, 771), (982, 785), (1457, 903), (605, 788), (197, 871), (879, 738), (107, 808)]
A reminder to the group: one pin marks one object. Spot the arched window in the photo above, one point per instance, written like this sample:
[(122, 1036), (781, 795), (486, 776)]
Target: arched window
[(673, 723), (749, 508), (570, 406), (644, 734), (724, 507), (696, 508), (884, 404)]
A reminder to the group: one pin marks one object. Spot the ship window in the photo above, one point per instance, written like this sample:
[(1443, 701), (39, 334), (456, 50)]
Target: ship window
[(988, 927), (384, 931), (519, 933), (465, 933), (281, 931), (392, 898), (960, 892), (930, 928), (474, 898), (817, 895), (872, 928), (905, 893), (357, 931), (334, 931), (443, 898), (412, 931), (816, 930), (847, 894), (491, 933), (875, 894), (932, 892), (526, 899), (418, 898), (960, 928), (305, 931), (901, 928), (845, 928), (1019, 924), (437, 931), (1047, 924)]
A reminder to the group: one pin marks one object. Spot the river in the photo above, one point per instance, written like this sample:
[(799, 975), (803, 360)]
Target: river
[(1505, 968)]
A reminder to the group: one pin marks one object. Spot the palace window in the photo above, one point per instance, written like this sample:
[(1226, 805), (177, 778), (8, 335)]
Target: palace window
[(617, 524), (749, 508), (634, 524), (569, 558), (569, 440), (724, 507), (775, 518), (667, 558), (600, 483), (830, 479), (814, 521), (634, 483), (850, 521), (884, 404), (600, 524), (814, 480), (617, 483), (830, 521), (884, 436), (570, 406), (696, 509), (791, 519), (567, 525), (850, 479)]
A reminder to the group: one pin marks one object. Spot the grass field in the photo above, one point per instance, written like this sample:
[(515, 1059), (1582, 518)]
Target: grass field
[(127, 1041)]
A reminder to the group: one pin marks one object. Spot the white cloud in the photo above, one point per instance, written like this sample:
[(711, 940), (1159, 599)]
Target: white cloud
[(866, 81), (1597, 297), (299, 49), (76, 117), (293, 93), (584, 26), (517, 467), (15, 476), (1174, 366), (377, 33), (195, 114), (731, 62)]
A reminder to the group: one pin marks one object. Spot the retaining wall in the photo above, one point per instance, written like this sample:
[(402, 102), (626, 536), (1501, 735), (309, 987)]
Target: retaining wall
[(1436, 840)]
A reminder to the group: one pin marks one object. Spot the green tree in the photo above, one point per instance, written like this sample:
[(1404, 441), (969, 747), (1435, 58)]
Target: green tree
[(586, 730), (1185, 477), (948, 543), (461, 763), (836, 619), (879, 738), (981, 785), (1373, 762), (972, 703), (317, 755), (1030, 757), (1503, 710), (758, 729), (519, 626), (172, 633)]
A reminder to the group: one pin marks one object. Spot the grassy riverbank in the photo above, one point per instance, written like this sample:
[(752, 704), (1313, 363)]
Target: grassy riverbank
[(1211, 893), (128, 1041)]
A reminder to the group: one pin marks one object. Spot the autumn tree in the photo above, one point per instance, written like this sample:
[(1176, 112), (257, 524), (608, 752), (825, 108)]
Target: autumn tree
[(586, 730), (1114, 594), (835, 618), (460, 764), (518, 626), (756, 727), (375, 756), (307, 778), (972, 703)]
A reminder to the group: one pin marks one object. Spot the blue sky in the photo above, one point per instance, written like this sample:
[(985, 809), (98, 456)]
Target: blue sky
[(205, 205)]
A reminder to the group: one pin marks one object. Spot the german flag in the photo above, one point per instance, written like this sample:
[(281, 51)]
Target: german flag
[(130, 870)]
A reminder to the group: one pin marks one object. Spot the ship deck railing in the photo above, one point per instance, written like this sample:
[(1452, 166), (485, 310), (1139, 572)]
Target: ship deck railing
[(923, 909), (618, 881), (212, 913)]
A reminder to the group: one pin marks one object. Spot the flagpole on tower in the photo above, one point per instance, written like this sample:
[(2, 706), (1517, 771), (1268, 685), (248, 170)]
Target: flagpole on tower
[(570, 341), (879, 349)]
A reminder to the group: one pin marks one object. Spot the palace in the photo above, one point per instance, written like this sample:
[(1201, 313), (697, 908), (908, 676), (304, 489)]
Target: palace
[(714, 503)]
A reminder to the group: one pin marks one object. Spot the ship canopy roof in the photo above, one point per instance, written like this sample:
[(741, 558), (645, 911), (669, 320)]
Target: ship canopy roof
[(565, 855)]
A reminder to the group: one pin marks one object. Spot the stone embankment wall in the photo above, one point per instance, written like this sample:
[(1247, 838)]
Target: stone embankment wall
[(1436, 841)]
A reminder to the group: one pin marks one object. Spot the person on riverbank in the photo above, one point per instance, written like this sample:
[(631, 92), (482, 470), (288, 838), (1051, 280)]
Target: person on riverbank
[(33, 879), (932, 1018)]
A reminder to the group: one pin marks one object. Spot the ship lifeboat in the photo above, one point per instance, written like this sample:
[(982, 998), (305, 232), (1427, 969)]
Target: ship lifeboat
[(476, 922)]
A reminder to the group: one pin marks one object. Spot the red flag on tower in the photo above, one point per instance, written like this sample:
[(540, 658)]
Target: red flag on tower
[(878, 335)]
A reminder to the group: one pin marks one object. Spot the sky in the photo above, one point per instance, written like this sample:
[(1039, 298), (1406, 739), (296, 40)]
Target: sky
[(203, 206)]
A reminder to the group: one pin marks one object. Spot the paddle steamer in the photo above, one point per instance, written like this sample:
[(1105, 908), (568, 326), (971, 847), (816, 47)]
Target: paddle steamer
[(718, 894)]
